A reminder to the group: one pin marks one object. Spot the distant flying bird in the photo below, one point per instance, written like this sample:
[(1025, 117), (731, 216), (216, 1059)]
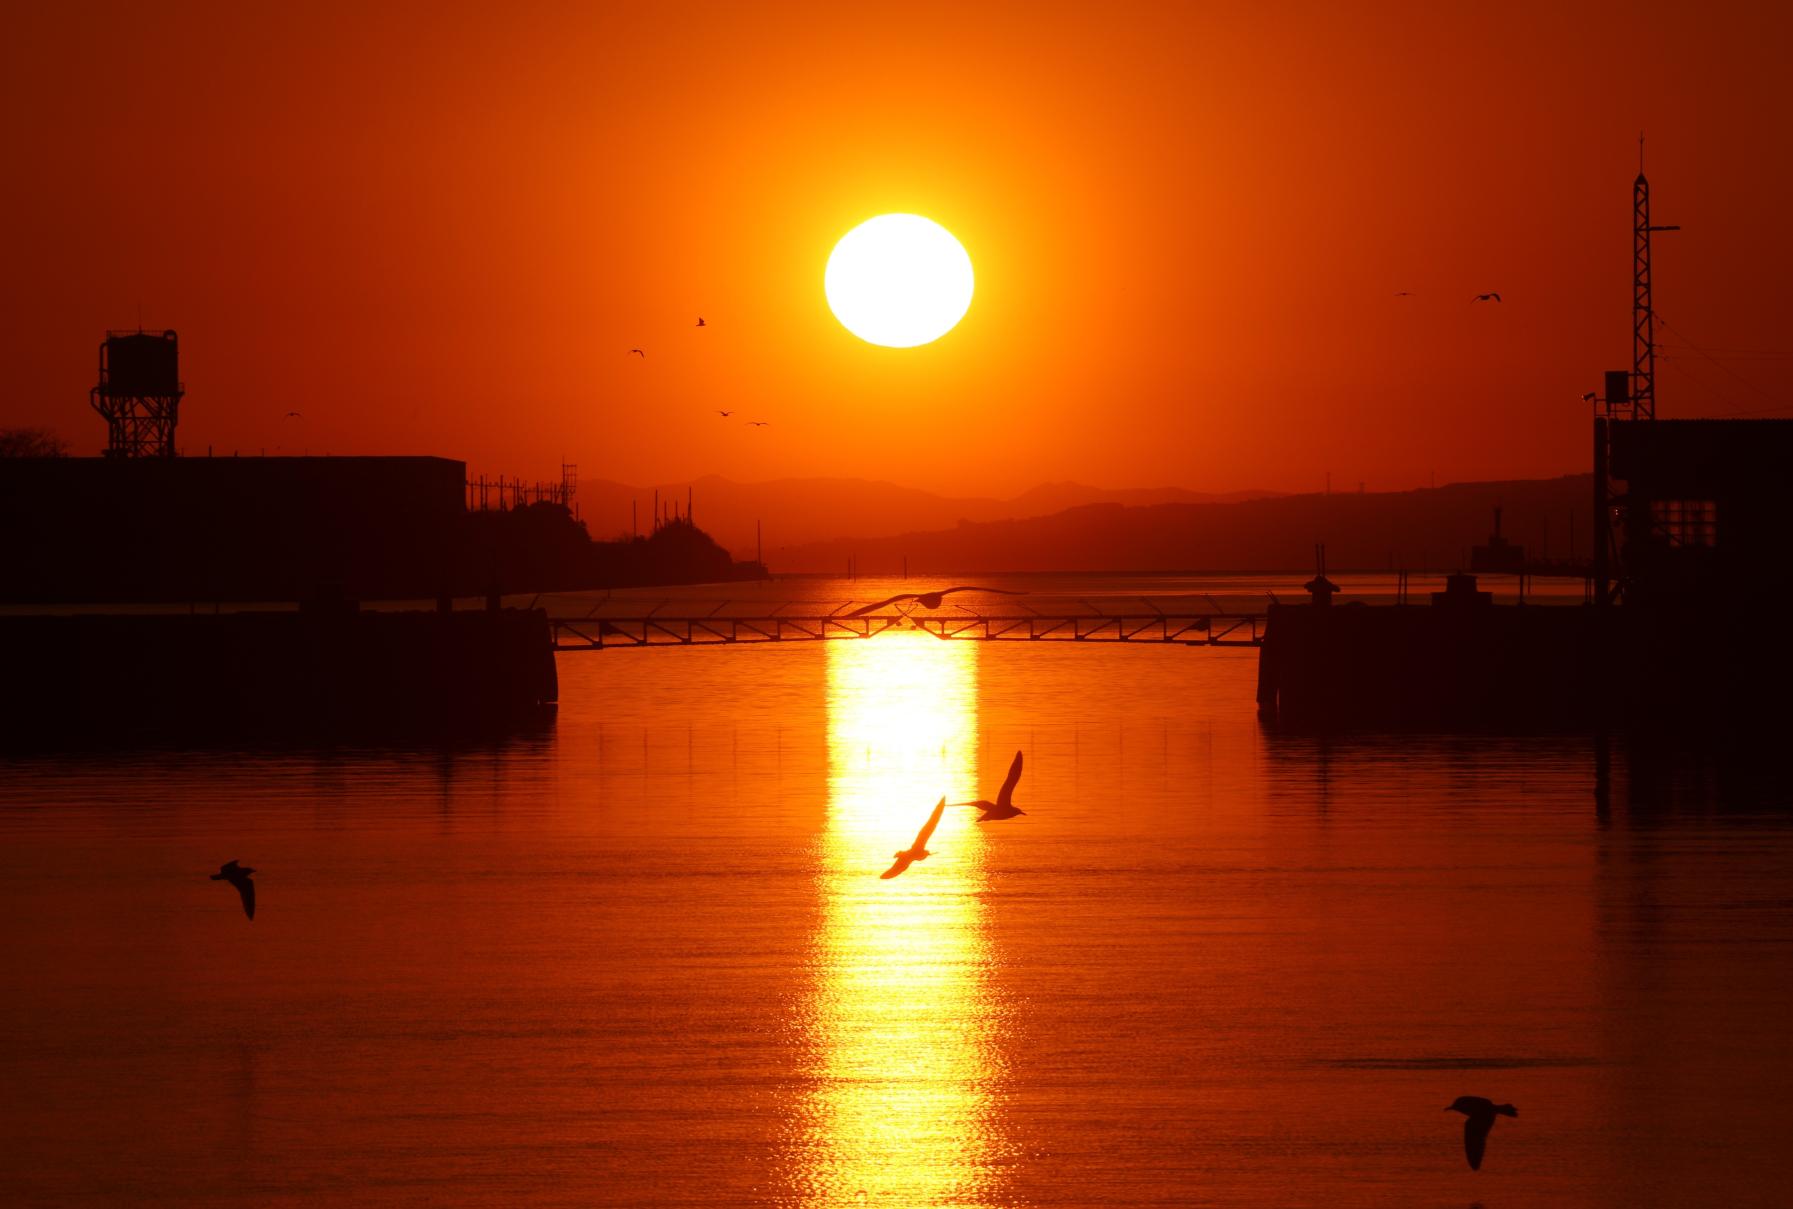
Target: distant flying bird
[(929, 600), (917, 851), (1479, 1116), (700, 322), (639, 353), (1403, 293), (1590, 397), (758, 423), (292, 415), (720, 412), (238, 876), (1003, 807), (1486, 298)]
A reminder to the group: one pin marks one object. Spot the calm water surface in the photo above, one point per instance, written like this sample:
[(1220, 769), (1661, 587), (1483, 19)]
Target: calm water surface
[(645, 958)]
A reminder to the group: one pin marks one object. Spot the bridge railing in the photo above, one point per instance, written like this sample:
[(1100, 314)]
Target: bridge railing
[(1216, 629)]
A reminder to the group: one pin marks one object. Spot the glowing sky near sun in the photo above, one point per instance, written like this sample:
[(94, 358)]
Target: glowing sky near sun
[(1189, 224)]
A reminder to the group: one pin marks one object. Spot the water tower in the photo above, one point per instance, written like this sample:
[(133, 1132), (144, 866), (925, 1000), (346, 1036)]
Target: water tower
[(139, 393)]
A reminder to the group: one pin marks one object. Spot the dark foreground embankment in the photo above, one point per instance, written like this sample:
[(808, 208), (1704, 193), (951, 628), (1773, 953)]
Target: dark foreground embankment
[(1420, 665), (1519, 667), (109, 676)]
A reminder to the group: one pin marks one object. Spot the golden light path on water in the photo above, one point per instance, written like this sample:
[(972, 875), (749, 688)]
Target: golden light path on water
[(902, 1020)]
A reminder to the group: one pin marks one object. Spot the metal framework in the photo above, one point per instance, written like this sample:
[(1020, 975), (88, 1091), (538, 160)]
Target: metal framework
[(1643, 314), (501, 494), (1187, 629), (1609, 574), (137, 425)]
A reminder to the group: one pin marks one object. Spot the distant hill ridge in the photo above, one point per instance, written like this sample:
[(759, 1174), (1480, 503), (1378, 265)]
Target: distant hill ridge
[(1431, 528), (800, 512)]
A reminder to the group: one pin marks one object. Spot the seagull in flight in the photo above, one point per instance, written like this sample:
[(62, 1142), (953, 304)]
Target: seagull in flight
[(1003, 807), (639, 353), (720, 412), (1490, 297), (918, 851), (238, 876), (929, 600), (1403, 293), (292, 415), (700, 322), (758, 423), (1479, 1113), (1590, 397)]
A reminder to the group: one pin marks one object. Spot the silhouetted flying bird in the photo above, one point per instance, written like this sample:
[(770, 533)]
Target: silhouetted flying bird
[(918, 851), (1478, 1113), (1003, 807), (700, 322), (1590, 397), (292, 415), (758, 423), (1403, 293), (238, 876), (1486, 298), (930, 600), (639, 353), (720, 412)]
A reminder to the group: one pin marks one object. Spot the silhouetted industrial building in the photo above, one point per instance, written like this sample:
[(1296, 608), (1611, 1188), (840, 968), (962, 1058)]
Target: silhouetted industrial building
[(139, 393), (1701, 511), (229, 529), (1498, 556)]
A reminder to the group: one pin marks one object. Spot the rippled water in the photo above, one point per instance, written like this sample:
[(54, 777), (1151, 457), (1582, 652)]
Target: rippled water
[(645, 958)]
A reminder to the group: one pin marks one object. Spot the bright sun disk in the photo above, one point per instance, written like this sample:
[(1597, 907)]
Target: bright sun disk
[(898, 280)]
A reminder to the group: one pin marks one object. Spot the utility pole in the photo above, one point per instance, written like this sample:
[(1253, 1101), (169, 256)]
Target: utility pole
[(1643, 315)]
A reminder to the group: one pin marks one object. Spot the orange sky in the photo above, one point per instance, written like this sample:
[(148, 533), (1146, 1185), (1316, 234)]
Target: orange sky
[(439, 229)]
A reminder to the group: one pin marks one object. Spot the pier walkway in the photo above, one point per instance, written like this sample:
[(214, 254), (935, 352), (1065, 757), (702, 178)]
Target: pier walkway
[(1187, 628)]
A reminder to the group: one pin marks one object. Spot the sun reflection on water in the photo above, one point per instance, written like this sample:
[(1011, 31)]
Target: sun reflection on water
[(900, 1027)]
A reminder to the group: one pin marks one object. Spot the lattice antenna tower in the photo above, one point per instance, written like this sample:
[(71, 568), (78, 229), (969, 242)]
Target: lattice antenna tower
[(1643, 315)]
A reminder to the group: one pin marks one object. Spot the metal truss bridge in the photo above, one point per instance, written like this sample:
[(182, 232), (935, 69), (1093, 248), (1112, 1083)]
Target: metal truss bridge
[(653, 629)]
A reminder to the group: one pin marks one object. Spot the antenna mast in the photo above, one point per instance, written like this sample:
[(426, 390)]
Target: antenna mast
[(1643, 315)]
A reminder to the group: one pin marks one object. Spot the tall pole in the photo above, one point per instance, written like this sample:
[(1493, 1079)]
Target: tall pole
[(1643, 314), (1602, 518)]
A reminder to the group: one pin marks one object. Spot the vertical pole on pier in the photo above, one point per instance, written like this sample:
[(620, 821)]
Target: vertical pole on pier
[(1643, 313), (1602, 518)]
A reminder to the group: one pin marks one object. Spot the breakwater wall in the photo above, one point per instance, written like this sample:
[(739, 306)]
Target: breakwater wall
[(108, 675), (1418, 665), (1518, 667)]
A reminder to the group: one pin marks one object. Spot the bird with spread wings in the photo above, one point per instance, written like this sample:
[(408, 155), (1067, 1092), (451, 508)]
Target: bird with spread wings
[(918, 851), (929, 600), (238, 876), (1478, 1113), (1004, 806)]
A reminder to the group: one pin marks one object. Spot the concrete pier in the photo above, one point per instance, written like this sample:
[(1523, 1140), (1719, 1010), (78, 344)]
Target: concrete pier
[(1451, 664), (104, 676)]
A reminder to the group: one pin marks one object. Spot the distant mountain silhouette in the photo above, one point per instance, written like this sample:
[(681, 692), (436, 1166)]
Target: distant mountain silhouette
[(796, 512), (1414, 530)]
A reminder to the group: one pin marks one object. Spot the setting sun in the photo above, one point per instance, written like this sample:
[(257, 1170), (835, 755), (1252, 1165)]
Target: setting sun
[(898, 280)]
